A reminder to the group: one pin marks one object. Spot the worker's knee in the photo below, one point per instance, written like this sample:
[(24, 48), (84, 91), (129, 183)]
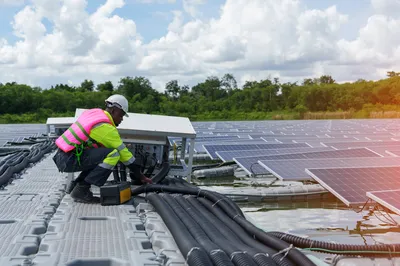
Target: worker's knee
[(112, 158)]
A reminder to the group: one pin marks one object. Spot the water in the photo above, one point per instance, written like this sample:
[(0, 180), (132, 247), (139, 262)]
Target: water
[(329, 221)]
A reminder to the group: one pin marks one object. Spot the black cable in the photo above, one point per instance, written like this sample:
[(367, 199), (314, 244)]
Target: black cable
[(293, 254)]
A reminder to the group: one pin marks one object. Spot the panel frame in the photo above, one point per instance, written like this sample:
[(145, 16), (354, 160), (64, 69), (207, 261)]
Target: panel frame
[(324, 185), (382, 202)]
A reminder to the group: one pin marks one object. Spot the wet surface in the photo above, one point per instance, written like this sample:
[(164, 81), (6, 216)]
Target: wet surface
[(329, 221)]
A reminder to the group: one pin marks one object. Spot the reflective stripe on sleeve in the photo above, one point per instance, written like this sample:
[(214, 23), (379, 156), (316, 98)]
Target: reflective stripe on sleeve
[(106, 166), (130, 161), (111, 159), (121, 147)]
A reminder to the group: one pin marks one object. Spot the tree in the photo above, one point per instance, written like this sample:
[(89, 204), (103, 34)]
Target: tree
[(391, 74), (210, 89), (106, 87), (212, 98), (228, 82), (63, 87), (87, 85), (326, 79), (301, 109), (130, 87), (308, 82), (184, 90), (172, 89), (250, 84)]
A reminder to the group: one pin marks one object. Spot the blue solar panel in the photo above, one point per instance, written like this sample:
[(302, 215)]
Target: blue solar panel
[(360, 144), (394, 152), (212, 149), (211, 139), (351, 184), (216, 138), (388, 198), (199, 147), (257, 136), (294, 169), (229, 155), (250, 165), (386, 151)]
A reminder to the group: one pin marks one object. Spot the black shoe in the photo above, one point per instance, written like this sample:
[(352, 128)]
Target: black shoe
[(82, 193), (70, 186)]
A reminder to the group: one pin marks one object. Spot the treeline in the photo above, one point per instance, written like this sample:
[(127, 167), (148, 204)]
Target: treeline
[(216, 98)]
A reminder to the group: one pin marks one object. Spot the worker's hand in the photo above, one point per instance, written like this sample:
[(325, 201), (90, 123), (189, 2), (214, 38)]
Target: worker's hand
[(145, 179)]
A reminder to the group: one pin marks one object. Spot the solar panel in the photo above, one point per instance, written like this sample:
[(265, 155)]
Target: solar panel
[(394, 152), (250, 165), (229, 155), (295, 169), (199, 147), (388, 198), (360, 144), (289, 136), (215, 138), (351, 184), (257, 136), (204, 139), (212, 149)]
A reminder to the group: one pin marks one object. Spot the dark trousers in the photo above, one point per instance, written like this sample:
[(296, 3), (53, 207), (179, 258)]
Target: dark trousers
[(90, 159)]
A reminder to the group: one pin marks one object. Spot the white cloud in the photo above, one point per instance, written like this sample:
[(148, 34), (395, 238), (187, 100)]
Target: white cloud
[(177, 22), (251, 39), (11, 2), (78, 41), (386, 7), (377, 45), (156, 1), (191, 6), (257, 35)]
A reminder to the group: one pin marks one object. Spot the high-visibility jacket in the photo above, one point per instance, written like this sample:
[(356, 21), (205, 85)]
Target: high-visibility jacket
[(93, 128)]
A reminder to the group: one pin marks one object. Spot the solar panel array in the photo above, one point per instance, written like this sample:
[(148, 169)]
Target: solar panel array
[(249, 163), (212, 149), (355, 144), (295, 169), (230, 155)]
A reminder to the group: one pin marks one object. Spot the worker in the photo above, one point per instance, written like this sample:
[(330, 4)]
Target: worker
[(93, 146)]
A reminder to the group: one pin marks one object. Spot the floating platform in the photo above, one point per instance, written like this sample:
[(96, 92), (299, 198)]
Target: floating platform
[(41, 225)]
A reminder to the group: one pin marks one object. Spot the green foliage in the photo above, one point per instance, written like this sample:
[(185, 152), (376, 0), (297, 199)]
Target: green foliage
[(87, 85), (107, 87), (215, 98)]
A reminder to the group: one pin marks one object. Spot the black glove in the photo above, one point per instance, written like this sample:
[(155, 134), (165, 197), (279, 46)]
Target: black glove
[(135, 170)]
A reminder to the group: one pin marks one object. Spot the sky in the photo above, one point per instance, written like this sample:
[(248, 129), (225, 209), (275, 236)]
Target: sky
[(47, 42)]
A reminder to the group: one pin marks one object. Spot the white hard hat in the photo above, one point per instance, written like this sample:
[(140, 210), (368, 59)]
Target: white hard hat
[(118, 101)]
